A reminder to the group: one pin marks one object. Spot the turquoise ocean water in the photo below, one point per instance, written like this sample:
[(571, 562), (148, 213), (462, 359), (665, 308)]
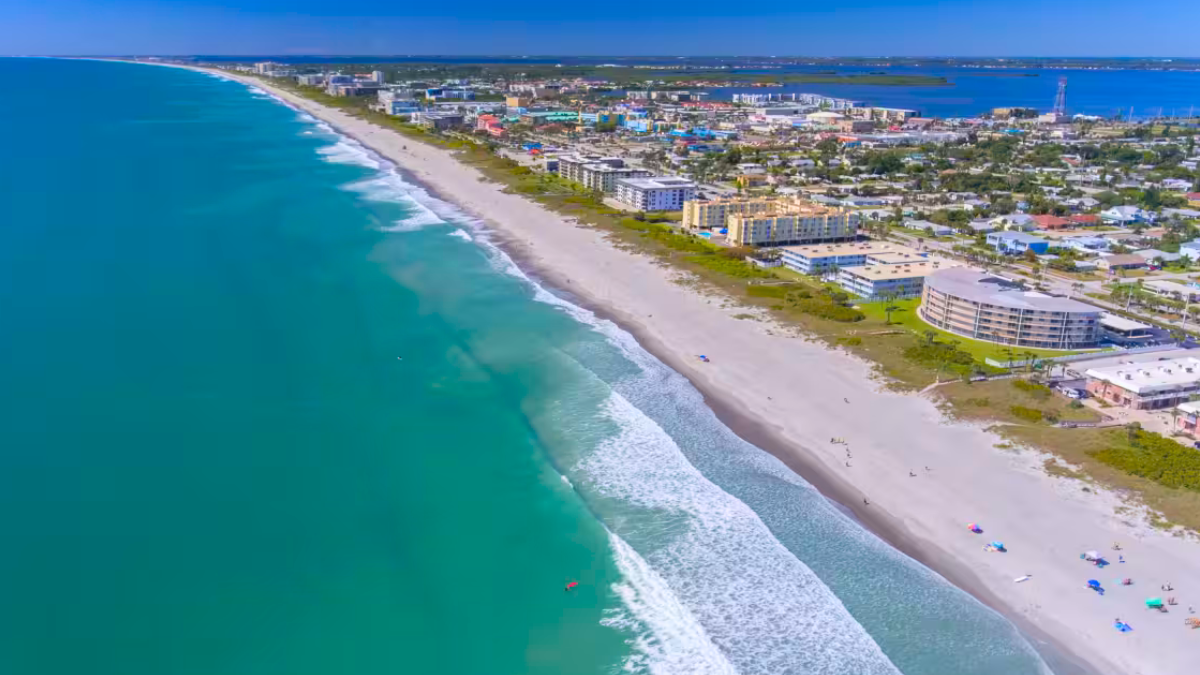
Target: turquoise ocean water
[(212, 460)]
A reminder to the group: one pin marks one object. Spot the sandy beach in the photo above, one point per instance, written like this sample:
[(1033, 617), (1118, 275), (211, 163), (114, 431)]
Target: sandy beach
[(791, 396)]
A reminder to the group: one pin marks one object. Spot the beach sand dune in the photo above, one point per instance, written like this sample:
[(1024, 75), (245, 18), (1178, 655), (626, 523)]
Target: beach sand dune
[(790, 397)]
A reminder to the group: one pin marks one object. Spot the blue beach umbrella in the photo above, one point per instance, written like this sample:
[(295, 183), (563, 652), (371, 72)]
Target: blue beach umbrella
[(1092, 583)]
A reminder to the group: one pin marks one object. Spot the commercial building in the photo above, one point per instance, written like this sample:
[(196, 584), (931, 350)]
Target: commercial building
[(311, 79), (660, 193), (438, 120), (991, 308), (597, 173), (881, 281), (794, 224), (1146, 386), (714, 213), (1187, 418), (816, 260), (1016, 243), (1126, 332)]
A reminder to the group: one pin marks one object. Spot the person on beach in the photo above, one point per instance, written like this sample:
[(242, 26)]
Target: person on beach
[(866, 501), (912, 475)]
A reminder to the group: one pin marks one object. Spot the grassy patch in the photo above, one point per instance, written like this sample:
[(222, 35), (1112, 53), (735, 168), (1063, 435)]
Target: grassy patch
[(1000, 400), (1080, 447)]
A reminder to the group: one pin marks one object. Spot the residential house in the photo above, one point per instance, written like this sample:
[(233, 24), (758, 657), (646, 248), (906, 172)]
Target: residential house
[(1123, 215), (982, 226), (1049, 222), (1115, 263), (1016, 243), (1084, 219), (1018, 222), (1190, 250), (1193, 199), (1152, 255), (927, 226)]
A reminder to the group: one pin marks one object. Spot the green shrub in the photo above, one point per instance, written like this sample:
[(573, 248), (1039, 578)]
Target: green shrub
[(521, 170), (1038, 391), (1155, 458), (826, 309), (938, 354), (1027, 414), (737, 269), (767, 291), (978, 402), (850, 341), (1075, 405)]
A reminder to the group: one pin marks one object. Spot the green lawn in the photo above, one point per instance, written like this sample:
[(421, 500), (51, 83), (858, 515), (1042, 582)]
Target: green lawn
[(906, 317)]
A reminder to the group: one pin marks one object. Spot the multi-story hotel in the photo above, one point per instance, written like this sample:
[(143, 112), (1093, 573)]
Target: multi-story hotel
[(888, 280), (793, 224), (824, 257), (597, 173), (714, 213), (660, 193), (985, 307)]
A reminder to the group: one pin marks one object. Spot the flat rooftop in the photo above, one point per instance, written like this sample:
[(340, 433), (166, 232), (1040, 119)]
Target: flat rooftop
[(909, 270), (1120, 323), (872, 248), (988, 289), (895, 257), (657, 182), (1152, 377)]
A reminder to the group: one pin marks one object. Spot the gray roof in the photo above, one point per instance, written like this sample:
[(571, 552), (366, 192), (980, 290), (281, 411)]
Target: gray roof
[(968, 284), (1016, 236)]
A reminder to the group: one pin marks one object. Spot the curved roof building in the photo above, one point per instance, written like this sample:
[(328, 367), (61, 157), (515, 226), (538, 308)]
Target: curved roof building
[(986, 307)]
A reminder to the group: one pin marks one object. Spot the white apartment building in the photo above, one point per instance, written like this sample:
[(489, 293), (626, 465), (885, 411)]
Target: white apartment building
[(659, 193), (818, 259), (879, 281)]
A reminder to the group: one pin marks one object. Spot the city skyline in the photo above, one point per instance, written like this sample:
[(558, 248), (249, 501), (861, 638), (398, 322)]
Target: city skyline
[(473, 28)]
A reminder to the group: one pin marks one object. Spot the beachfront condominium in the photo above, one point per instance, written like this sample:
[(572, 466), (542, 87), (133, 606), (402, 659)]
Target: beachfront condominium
[(819, 259), (887, 281), (991, 308), (1146, 386), (660, 193), (597, 173), (794, 224), (714, 213)]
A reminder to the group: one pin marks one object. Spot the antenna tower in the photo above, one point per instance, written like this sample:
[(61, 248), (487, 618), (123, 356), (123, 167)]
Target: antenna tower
[(1060, 99)]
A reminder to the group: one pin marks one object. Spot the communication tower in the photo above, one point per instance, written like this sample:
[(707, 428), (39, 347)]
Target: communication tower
[(1060, 99)]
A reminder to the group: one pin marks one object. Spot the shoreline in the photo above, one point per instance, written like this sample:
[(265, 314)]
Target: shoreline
[(842, 495), (801, 455)]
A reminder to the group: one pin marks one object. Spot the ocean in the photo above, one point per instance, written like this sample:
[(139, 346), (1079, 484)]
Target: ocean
[(269, 406)]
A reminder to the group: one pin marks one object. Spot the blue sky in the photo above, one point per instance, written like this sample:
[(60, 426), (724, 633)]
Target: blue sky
[(701, 27)]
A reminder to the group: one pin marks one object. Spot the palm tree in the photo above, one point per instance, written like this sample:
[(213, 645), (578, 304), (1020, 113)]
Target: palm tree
[(889, 306)]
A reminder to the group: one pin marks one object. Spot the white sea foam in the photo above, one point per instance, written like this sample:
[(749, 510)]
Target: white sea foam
[(724, 596), (766, 611), (461, 234), (669, 639), (346, 152)]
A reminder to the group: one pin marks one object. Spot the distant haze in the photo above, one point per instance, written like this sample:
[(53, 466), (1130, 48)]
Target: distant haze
[(377, 27)]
